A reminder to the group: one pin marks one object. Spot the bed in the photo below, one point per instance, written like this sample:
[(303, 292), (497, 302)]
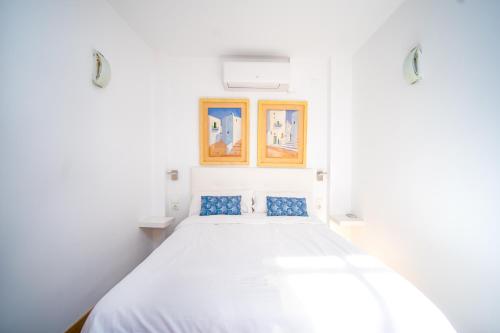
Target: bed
[(253, 273)]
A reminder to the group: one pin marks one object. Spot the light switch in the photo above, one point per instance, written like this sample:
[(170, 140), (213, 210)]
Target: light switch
[(175, 205)]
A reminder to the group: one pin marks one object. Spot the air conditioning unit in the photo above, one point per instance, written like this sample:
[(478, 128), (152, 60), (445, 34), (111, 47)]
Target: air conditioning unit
[(257, 75)]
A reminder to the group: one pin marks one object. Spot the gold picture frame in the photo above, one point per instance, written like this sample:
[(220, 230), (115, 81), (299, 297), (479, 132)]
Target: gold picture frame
[(282, 134), (223, 131)]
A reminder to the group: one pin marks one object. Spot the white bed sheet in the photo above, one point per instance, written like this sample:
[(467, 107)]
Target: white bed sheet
[(262, 274)]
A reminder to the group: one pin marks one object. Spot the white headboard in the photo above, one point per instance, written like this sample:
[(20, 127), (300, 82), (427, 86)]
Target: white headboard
[(260, 179)]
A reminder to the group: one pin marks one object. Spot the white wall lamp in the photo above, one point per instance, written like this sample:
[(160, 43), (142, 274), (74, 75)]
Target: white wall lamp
[(320, 174), (102, 71), (174, 174), (413, 66)]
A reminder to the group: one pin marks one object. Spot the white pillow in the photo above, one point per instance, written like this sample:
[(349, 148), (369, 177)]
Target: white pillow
[(246, 200), (260, 202)]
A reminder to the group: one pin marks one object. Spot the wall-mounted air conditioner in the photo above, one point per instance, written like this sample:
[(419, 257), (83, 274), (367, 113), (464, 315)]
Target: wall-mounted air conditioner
[(257, 75)]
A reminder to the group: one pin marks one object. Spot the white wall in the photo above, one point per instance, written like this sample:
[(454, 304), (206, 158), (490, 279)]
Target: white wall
[(75, 160), (426, 157), (182, 81), (340, 139)]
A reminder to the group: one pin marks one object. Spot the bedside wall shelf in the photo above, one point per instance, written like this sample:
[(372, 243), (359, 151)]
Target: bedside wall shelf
[(343, 220), (157, 222), (346, 226)]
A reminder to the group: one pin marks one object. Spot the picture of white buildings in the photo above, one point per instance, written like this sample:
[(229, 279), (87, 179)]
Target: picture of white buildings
[(214, 129), (224, 131), (231, 131), (282, 129)]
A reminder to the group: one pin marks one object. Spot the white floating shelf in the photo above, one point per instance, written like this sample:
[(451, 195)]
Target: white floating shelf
[(347, 221), (159, 222)]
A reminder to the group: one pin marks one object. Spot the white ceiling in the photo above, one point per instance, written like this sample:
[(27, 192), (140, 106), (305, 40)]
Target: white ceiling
[(255, 27)]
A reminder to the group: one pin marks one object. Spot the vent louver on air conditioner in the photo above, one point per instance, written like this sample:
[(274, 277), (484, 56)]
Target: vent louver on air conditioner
[(256, 75)]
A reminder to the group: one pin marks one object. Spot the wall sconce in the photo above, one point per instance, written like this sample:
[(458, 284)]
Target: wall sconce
[(320, 174), (174, 174), (102, 71), (413, 66)]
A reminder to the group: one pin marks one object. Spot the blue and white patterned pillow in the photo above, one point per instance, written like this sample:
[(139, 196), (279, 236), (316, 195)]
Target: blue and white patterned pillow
[(220, 205), (285, 206)]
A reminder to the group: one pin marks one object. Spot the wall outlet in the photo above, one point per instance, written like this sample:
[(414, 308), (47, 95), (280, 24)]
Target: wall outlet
[(175, 205), (319, 203)]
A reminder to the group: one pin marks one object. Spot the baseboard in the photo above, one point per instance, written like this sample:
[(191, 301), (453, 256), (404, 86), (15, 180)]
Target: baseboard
[(78, 325)]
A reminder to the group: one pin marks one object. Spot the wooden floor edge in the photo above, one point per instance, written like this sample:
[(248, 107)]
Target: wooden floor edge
[(77, 326)]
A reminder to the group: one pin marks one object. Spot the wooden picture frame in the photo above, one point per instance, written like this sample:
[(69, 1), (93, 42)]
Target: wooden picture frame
[(284, 143), (223, 131)]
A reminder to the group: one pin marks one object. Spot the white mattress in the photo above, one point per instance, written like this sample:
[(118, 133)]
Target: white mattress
[(259, 274)]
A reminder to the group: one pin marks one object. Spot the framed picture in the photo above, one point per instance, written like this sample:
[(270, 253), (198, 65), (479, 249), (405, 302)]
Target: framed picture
[(282, 134), (223, 131)]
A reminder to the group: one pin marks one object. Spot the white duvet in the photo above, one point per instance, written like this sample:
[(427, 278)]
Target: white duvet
[(258, 274)]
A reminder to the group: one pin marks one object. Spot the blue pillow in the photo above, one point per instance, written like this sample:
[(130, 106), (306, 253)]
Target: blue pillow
[(220, 205), (284, 206)]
